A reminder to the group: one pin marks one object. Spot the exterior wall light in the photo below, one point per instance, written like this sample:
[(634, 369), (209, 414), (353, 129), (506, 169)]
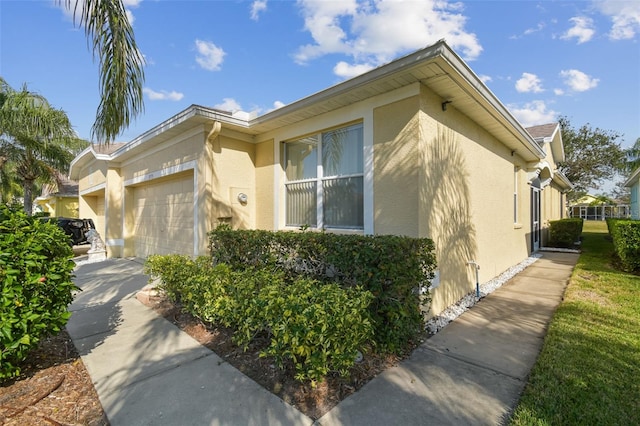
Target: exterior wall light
[(242, 198)]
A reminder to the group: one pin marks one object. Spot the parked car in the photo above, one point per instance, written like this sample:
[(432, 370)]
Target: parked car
[(76, 229)]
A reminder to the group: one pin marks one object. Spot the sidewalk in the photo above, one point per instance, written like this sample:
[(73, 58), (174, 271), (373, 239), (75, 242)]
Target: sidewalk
[(146, 371)]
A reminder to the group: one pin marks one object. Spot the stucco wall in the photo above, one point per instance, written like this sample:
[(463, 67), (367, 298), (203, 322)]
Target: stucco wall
[(264, 184), (94, 174), (396, 167), (466, 200), (233, 172)]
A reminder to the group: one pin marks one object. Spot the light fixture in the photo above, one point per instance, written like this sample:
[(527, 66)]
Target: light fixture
[(242, 198), (444, 105)]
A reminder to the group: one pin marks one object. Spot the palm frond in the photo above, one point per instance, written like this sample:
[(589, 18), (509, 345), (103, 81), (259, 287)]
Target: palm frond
[(121, 64)]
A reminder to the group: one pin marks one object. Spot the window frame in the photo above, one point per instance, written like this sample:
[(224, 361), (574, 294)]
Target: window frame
[(320, 179)]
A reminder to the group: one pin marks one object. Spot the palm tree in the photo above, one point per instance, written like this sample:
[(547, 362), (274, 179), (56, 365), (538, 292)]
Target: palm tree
[(633, 156), (36, 140), (121, 63)]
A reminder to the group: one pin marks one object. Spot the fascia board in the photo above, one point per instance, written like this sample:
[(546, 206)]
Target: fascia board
[(383, 71), (189, 113), (85, 157), (562, 180), (472, 81), (635, 175)]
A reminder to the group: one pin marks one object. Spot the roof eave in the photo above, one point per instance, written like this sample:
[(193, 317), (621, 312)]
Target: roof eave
[(634, 176)]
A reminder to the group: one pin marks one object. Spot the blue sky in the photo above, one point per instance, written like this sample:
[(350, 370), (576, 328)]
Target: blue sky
[(542, 59)]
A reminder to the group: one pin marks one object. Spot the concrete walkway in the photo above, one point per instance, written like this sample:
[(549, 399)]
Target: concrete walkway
[(147, 372)]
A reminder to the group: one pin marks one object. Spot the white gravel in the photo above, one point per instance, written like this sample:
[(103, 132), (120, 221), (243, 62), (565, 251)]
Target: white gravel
[(440, 321)]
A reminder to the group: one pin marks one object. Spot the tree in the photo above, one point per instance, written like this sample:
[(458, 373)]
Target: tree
[(633, 157), (36, 141), (121, 63), (591, 156)]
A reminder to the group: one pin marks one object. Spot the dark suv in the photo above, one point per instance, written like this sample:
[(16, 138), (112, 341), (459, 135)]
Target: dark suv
[(76, 229)]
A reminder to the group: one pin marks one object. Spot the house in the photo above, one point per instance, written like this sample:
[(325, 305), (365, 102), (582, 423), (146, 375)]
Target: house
[(418, 147), (634, 183), (59, 199)]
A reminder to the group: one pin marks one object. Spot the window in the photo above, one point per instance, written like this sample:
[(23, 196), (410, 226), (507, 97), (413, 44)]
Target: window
[(325, 179), (515, 194)]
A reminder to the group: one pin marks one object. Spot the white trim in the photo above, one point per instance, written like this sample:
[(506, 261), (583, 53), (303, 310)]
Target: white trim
[(276, 184), (189, 165), (115, 242), (196, 236), (367, 168), (94, 188)]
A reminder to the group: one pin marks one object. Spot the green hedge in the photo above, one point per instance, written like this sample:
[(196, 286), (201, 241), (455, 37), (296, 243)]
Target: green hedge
[(626, 242), (36, 270), (565, 233), (319, 328), (392, 268)]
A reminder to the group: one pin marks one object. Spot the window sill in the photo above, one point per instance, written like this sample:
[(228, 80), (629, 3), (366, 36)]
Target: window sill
[(517, 226)]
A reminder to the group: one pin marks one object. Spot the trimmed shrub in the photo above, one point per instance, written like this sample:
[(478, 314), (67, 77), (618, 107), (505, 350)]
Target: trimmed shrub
[(319, 328), (565, 233), (393, 268), (626, 242), (36, 270)]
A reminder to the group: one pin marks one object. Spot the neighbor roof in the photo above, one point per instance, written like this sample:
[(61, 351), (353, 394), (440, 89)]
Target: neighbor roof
[(634, 176)]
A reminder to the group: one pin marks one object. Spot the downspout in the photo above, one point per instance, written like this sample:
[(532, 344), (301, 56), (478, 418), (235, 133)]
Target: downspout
[(215, 131)]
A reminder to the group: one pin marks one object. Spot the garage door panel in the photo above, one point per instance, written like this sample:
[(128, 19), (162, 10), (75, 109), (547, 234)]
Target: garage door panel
[(163, 217)]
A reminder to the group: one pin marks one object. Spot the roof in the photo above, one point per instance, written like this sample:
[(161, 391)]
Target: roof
[(635, 176), (437, 67), (549, 133), (543, 131), (108, 148), (64, 188)]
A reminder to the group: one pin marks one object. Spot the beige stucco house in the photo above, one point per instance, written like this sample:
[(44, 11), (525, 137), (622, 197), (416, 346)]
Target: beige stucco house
[(58, 199), (417, 147)]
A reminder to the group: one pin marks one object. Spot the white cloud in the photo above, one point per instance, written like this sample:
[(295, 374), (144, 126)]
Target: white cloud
[(533, 113), (582, 29), (373, 33), (162, 95), (228, 104), (529, 83), (625, 18), (578, 81), (345, 70), (558, 92), (277, 105), (68, 11), (485, 78), (257, 7), (209, 55)]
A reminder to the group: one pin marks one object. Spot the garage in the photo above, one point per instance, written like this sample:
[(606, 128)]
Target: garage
[(163, 216)]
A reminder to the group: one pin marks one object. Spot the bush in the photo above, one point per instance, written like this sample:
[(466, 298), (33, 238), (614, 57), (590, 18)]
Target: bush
[(392, 268), (319, 328), (565, 232), (626, 242), (36, 270)]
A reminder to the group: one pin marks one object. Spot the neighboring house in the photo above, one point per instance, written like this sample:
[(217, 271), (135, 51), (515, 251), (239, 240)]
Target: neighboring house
[(59, 199), (634, 183), (586, 200), (418, 147)]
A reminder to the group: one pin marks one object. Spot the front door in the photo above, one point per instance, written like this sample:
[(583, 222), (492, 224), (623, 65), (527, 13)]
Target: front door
[(535, 219)]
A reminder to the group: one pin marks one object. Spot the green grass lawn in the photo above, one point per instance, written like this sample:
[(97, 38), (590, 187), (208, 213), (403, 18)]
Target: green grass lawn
[(588, 372)]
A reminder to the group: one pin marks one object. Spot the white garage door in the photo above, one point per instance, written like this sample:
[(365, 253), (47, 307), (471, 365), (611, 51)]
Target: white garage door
[(163, 216)]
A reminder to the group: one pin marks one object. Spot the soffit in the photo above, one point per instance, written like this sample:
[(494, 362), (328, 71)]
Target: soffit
[(437, 67)]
